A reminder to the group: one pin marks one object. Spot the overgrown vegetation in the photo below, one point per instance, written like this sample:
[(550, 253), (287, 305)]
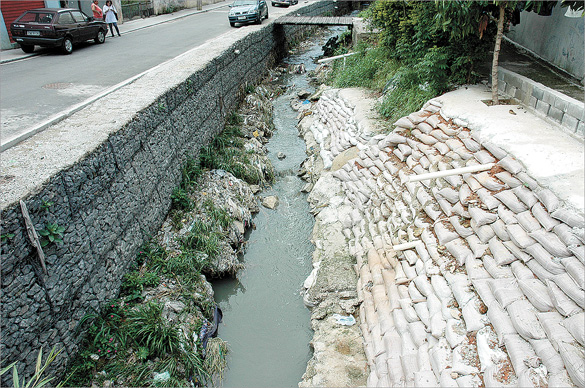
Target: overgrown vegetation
[(136, 339), (416, 55)]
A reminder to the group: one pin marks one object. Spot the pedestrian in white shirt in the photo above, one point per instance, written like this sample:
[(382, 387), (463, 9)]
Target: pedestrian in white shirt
[(111, 16)]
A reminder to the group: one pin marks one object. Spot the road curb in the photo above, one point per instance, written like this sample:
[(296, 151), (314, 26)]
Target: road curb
[(24, 56)]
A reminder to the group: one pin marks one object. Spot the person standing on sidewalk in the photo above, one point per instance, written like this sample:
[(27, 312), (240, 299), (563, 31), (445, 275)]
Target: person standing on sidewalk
[(97, 11), (111, 17)]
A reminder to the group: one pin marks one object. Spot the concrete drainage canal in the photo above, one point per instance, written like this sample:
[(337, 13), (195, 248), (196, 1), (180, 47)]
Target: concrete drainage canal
[(265, 321)]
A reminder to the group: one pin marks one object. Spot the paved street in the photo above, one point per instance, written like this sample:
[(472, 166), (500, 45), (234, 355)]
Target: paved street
[(36, 88)]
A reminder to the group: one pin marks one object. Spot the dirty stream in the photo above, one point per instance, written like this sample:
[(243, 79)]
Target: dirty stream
[(265, 321)]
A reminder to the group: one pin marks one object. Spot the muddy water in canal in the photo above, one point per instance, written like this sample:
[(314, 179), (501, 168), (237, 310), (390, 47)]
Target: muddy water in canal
[(265, 322)]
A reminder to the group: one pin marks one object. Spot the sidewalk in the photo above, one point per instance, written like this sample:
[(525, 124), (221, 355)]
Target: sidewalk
[(125, 28)]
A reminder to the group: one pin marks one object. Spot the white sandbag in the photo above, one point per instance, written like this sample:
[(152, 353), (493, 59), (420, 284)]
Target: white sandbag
[(499, 228), (460, 229), (545, 259), (409, 363), (553, 326), (517, 252), (499, 252), (455, 332), (574, 359), (440, 356), (520, 352), (446, 381), (443, 234), (425, 379), (481, 217), (475, 270), (464, 193), (477, 247), (500, 320), (576, 326), (474, 320), (508, 216), (561, 301), (575, 269), (538, 270), (423, 357), (580, 234), (508, 179), (551, 243), (579, 252), (560, 380), (528, 181), (523, 317), (569, 287), (494, 150), (508, 198), (471, 182), (488, 182), (484, 233), (548, 199), (409, 270), (413, 293), (506, 291), (462, 292), (423, 312), (449, 194), (540, 213), (395, 373), (461, 362), (525, 195), (521, 271), (383, 380), (519, 236), (438, 325), (549, 356), (511, 165), (400, 321), (488, 199), (483, 289), (459, 251), (404, 122), (495, 270), (440, 287), (490, 378), (529, 223), (423, 285), (537, 293), (408, 310), (461, 211), (569, 217), (488, 355), (566, 235)]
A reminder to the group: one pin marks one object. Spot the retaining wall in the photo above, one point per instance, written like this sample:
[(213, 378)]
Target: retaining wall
[(108, 181), (555, 106)]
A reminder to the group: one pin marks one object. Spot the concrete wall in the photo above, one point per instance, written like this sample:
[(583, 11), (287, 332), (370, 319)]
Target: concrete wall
[(109, 180), (163, 6), (556, 38), (548, 103)]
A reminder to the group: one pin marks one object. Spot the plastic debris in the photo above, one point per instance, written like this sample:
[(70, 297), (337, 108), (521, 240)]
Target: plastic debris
[(344, 320)]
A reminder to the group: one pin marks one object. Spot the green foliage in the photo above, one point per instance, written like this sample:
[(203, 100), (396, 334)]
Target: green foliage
[(134, 282), (181, 200), (6, 236), (46, 205), (36, 380), (51, 234), (148, 329)]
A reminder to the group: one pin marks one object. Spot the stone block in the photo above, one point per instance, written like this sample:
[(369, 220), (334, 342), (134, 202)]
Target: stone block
[(542, 107), (570, 122), (519, 94), (510, 90), (555, 114), (532, 102), (580, 129), (576, 110), (561, 104), (502, 86), (537, 92), (548, 97)]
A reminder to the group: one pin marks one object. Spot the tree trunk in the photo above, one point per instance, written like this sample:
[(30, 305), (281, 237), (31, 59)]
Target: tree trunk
[(495, 61)]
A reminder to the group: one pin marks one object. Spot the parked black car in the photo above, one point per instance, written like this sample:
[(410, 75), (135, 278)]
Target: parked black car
[(56, 27), (247, 11)]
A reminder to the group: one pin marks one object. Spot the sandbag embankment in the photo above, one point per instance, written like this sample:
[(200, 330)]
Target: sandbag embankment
[(464, 280)]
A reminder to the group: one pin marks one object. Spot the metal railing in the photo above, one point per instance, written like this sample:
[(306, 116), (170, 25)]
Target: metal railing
[(142, 9)]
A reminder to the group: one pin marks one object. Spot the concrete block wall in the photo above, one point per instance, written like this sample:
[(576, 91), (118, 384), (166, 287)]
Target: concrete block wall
[(114, 198), (549, 103)]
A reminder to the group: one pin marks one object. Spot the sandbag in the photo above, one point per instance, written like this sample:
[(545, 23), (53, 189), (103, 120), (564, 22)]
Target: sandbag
[(545, 259), (511, 165), (488, 182), (499, 228), (481, 217), (455, 332), (525, 195), (566, 235), (461, 363), (569, 287), (395, 372), (488, 199), (505, 291), (473, 318), (519, 236), (508, 179), (525, 321), (500, 254), (551, 243), (561, 301), (575, 269), (574, 359), (537, 293), (508, 198), (529, 223), (569, 217), (449, 194), (508, 216), (500, 320), (549, 356), (485, 232), (495, 270), (540, 213), (576, 326), (519, 351), (477, 247), (460, 229), (548, 199)]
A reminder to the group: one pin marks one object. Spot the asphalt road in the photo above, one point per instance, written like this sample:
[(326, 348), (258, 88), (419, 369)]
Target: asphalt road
[(34, 89)]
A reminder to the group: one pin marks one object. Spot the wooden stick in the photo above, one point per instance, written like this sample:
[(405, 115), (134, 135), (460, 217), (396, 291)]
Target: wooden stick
[(32, 235)]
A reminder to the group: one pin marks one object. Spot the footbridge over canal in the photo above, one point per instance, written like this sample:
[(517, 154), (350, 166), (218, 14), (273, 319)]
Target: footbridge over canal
[(316, 20)]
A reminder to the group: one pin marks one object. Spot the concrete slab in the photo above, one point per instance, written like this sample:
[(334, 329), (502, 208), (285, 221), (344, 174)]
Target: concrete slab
[(554, 157)]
